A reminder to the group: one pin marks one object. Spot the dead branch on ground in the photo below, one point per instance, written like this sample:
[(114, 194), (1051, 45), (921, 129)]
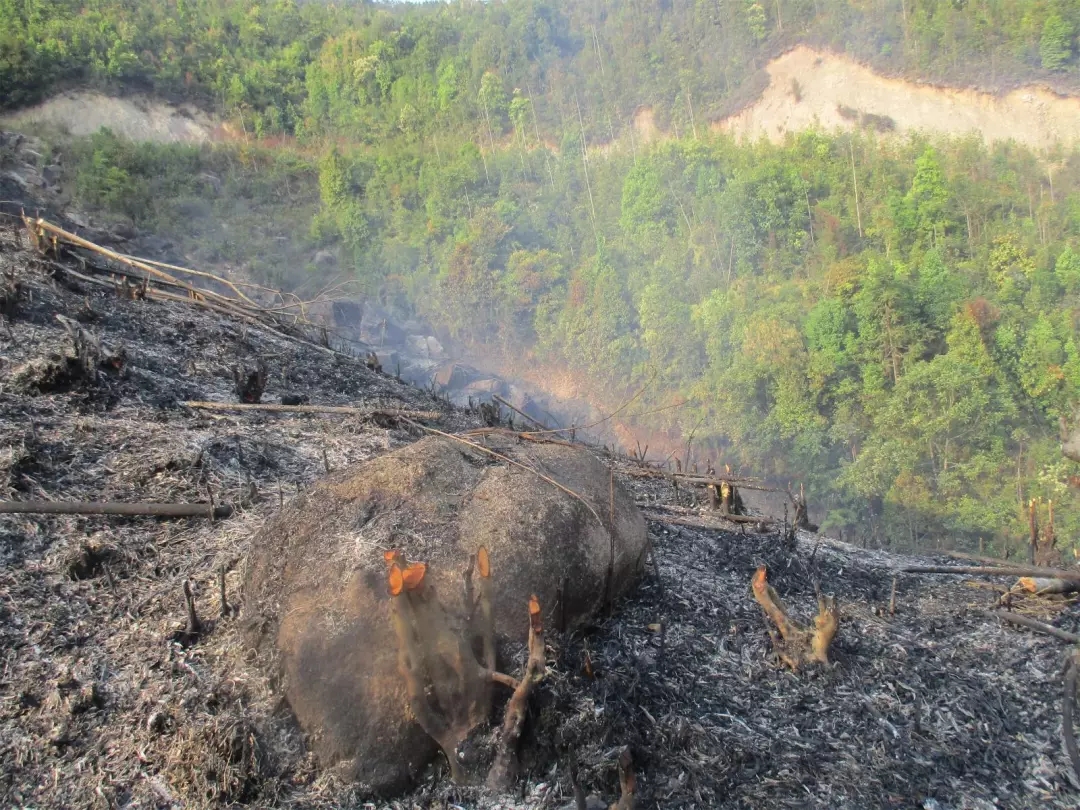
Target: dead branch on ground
[(525, 437), (797, 645), (162, 510), (1033, 624), (508, 460), (389, 413), (1003, 571), (48, 236)]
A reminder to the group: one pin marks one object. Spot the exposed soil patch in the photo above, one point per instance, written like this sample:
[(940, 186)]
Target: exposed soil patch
[(136, 117), (103, 704), (811, 88)]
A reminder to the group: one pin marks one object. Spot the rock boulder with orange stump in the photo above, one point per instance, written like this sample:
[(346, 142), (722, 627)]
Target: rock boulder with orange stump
[(435, 552)]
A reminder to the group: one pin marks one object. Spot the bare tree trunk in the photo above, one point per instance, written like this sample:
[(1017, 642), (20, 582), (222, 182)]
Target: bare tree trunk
[(855, 182)]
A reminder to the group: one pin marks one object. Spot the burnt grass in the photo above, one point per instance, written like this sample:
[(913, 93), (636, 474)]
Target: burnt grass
[(104, 702)]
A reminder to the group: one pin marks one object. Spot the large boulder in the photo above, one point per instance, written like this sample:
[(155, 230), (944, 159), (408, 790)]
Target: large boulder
[(379, 328), (425, 347), (316, 595)]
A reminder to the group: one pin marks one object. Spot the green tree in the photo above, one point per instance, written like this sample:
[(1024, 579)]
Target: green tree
[(1056, 45)]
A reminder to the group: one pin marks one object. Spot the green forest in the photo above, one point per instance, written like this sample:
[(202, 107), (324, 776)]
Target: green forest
[(892, 321)]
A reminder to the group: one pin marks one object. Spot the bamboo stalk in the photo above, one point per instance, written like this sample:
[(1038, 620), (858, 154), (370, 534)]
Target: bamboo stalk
[(741, 483), (1032, 624), (1010, 571), (979, 558), (112, 508), (342, 409), (207, 299), (519, 412)]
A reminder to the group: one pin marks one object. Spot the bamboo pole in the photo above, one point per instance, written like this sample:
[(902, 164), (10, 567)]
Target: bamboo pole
[(1004, 571), (342, 409), (740, 483), (1032, 624), (111, 508), (502, 401)]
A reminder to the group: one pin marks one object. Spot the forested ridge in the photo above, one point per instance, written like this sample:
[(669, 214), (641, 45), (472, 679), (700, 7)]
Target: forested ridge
[(891, 320)]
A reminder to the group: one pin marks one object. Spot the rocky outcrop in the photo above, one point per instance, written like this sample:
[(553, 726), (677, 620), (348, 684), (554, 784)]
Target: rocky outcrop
[(316, 593)]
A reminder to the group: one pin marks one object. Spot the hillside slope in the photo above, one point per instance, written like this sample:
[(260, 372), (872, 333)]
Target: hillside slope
[(102, 705)]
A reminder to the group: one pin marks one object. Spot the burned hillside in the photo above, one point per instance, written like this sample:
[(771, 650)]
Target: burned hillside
[(110, 697)]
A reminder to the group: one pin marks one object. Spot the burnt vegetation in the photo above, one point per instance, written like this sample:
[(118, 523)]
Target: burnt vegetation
[(126, 674)]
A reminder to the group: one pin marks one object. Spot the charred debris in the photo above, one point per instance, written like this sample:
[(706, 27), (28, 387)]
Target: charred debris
[(150, 425)]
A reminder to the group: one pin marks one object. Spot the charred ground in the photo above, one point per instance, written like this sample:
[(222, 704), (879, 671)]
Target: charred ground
[(102, 704)]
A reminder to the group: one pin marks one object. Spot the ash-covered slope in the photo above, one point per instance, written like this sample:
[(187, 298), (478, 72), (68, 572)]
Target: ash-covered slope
[(101, 706)]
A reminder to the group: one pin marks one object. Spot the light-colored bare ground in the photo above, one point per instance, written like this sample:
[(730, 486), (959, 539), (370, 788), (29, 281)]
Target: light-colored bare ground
[(139, 118), (1032, 116)]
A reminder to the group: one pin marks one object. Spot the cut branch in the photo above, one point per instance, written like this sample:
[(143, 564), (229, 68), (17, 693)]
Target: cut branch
[(503, 772), (449, 692)]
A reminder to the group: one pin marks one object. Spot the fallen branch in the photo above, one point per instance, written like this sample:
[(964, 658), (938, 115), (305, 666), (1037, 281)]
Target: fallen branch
[(201, 297), (662, 514), (124, 509), (1033, 624), (797, 645), (519, 412), (342, 409), (1004, 571), (525, 437), (740, 483), (510, 461)]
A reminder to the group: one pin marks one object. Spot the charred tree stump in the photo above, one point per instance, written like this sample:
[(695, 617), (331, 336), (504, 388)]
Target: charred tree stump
[(627, 782), (10, 291), (250, 385), (449, 691), (802, 513), (489, 412), (193, 628), (795, 644)]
